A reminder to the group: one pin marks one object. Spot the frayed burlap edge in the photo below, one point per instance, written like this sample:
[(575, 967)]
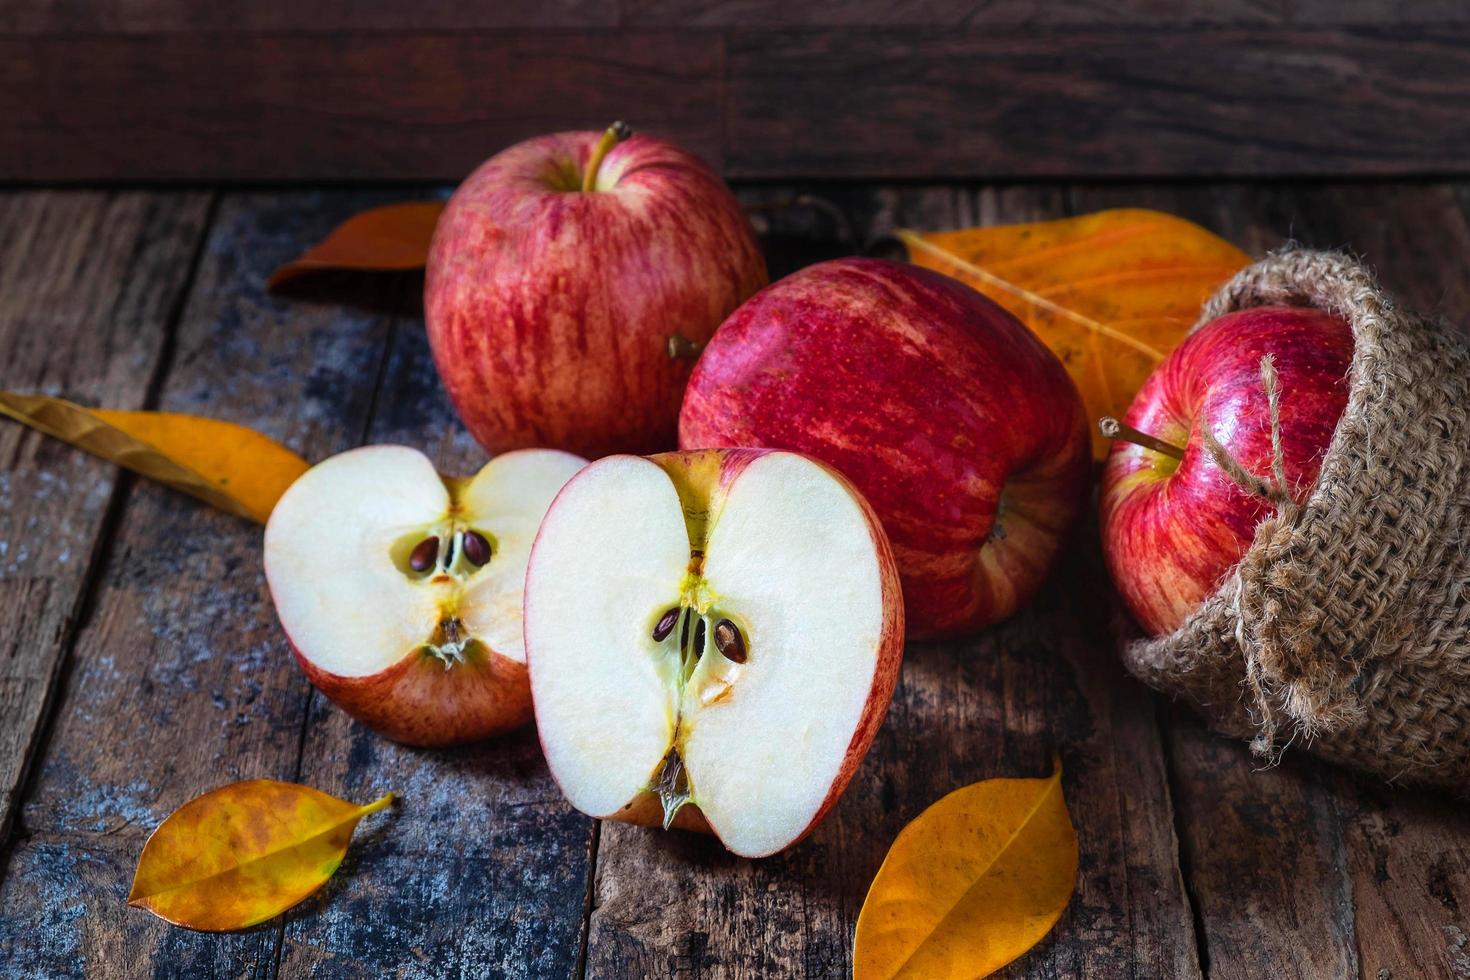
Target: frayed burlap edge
[(1346, 626)]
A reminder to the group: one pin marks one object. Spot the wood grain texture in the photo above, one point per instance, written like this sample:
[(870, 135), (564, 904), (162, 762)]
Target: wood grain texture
[(668, 905), (182, 680), (1372, 94), (329, 16), (235, 16), (1034, 14), (87, 285), (485, 871), (335, 107), (1124, 103)]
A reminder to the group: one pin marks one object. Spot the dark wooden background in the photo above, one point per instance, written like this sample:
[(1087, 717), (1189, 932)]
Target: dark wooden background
[(159, 90)]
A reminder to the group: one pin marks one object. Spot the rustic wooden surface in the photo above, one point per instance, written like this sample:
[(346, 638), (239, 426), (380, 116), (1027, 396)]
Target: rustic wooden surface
[(106, 90), (142, 663)]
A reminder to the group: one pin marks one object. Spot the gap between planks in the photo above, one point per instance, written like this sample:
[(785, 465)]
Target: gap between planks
[(12, 828)]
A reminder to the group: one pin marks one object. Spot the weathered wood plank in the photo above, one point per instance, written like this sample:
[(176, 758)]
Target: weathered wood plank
[(88, 282), (338, 107), (1033, 14), (1091, 103), (485, 870), (30, 17), (182, 680), (676, 904), (937, 101), (239, 16)]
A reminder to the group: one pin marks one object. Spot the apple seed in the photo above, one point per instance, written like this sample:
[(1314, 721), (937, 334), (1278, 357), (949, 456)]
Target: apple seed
[(476, 548), (665, 625), (729, 641), (449, 554), (424, 553), (699, 639), (672, 787)]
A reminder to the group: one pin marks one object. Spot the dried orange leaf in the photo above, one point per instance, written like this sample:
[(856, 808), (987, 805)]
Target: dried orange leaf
[(385, 239), (244, 853), (979, 878), (228, 466), (1110, 293)]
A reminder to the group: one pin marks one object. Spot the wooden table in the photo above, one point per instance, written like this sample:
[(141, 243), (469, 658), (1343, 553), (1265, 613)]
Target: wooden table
[(141, 663)]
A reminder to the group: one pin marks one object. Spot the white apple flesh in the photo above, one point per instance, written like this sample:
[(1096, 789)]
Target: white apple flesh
[(400, 590), (713, 638)]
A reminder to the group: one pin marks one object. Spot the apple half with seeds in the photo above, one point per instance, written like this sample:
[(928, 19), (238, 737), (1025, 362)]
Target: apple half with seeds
[(713, 639), (400, 590)]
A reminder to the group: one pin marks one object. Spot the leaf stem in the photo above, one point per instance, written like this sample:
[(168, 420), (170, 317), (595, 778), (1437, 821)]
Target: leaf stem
[(377, 804)]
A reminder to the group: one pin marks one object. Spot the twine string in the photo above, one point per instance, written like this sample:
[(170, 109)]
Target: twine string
[(1263, 658)]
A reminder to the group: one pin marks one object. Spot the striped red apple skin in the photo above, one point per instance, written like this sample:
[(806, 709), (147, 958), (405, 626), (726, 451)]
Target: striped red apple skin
[(961, 429), (549, 309), (418, 702), (1172, 530)]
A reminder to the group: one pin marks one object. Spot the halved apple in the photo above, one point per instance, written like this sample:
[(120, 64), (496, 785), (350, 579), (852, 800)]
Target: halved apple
[(400, 590), (713, 639)]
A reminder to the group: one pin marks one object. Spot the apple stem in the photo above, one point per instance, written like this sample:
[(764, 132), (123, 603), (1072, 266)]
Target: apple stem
[(1111, 428), (611, 137), (681, 346)]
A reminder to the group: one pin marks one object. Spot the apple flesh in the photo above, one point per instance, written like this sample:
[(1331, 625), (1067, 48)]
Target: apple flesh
[(1172, 529), (713, 639), (400, 591), (550, 309), (960, 428)]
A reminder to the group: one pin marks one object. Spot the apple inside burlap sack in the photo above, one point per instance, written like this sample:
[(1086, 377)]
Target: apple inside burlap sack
[(1345, 629)]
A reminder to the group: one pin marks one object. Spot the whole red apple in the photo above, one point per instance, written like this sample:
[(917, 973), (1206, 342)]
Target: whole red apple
[(557, 275), (964, 433), (1172, 528)]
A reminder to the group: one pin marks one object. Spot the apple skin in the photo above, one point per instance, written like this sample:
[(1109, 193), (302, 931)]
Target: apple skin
[(549, 310), (1171, 531), (417, 702), (702, 478), (933, 400)]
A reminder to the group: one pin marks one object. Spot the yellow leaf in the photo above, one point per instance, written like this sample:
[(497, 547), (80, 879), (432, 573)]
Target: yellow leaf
[(385, 239), (244, 853), (227, 466), (979, 878), (1110, 293)]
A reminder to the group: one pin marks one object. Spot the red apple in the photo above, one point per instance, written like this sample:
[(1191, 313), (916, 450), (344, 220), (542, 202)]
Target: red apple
[(713, 639), (964, 433), (400, 590), (557, 277), (1173, 528)]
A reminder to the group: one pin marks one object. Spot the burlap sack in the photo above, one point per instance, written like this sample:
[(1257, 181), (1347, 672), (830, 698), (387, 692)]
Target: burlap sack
[(1346, 627)]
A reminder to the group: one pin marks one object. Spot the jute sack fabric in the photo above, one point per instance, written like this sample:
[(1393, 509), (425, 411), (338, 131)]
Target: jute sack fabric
[(1346, 627)]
